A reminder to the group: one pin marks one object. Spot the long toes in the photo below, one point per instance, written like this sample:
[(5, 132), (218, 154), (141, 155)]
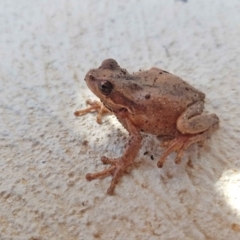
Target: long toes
[(180, 153), (80, 112), (102, 174), (116, 170), (111, 188), (117, 174), (173, 145)]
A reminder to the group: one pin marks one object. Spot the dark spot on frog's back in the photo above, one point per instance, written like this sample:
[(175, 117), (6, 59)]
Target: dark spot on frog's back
[(134, 86), (147, 96)]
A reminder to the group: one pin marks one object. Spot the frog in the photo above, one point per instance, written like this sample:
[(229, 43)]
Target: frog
[(152, 102)]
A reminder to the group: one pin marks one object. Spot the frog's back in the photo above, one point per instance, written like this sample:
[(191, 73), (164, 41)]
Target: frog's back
[(165, 85), (160, 98)]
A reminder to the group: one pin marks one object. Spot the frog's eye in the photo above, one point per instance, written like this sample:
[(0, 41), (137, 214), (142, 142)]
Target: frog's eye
[(105, 87)]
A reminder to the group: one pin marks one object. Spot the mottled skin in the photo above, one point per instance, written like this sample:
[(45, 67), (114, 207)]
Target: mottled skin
[(153, 101)]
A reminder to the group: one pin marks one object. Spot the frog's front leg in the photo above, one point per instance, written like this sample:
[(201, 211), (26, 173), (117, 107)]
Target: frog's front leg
[(194, 127), (119, 166), (95, 106)]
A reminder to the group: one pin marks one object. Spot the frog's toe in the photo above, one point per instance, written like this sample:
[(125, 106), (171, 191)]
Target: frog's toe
[(182, 142), (179, 155), (116, 169), (105, 173), (116, 176), (95, 106), (178, 145), (106, 160)]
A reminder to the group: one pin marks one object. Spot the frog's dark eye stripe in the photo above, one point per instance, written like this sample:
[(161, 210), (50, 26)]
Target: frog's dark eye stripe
[(105, 87)]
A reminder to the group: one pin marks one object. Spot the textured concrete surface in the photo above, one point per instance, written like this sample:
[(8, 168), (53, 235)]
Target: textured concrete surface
[(46, 49)]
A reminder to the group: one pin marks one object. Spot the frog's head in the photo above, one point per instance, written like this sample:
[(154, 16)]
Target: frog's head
[(110, 83)]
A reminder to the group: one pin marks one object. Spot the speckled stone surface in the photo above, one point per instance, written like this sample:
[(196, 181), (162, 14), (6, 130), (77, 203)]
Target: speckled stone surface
[(45, 151)]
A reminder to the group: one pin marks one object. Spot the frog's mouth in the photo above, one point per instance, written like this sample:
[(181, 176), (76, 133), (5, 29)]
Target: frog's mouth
[(115, 107)]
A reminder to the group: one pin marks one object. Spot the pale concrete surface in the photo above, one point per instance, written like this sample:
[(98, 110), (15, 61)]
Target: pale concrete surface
[(46, 49)]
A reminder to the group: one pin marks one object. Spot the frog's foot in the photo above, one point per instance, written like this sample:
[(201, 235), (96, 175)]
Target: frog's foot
[(118, 167), (181, 143), (178, 145), (95, 106)]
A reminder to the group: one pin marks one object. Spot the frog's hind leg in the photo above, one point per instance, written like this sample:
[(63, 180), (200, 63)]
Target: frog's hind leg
[(192, 121), (95, 106), (193, 127)]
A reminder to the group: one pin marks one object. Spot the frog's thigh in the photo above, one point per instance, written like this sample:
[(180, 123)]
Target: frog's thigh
[(192, 121)]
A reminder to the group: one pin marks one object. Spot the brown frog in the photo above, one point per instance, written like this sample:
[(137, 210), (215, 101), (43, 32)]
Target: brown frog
[(153, 101)]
